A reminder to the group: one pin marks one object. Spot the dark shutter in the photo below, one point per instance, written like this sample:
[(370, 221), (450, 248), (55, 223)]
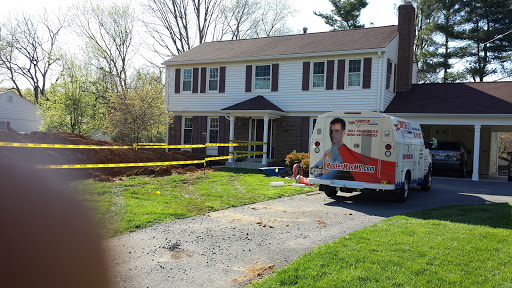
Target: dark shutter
[(367, 73), (223, 135), (195, 80), (304, 134), (275, 77), (388, 73), (329, 82), (222, 79), (177, 80), (394, 84), (340, 76), (305, 76), (175, 131), (248, 78), (203, 80)]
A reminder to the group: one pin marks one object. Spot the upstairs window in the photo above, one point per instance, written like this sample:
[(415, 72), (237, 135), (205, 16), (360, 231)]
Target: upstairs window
[(318, 74), (213, 79), (262, 77), (187, 79), (354, 73), (187, 131)]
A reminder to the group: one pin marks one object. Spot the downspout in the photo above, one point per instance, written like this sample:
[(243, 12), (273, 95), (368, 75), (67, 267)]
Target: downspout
[(379, 90)]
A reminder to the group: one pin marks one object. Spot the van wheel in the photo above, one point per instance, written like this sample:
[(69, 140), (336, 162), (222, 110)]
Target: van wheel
[(401, 194), (329, 191), (427, 181)]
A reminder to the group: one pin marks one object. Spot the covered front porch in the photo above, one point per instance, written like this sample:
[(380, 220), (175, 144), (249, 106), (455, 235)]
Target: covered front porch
[(258, 115)]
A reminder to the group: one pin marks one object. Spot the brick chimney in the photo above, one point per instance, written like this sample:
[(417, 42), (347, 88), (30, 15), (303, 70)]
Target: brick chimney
[(406, 33)]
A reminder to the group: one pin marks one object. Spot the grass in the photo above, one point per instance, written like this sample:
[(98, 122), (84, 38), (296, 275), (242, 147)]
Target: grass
[(458, 246), (141, 201)]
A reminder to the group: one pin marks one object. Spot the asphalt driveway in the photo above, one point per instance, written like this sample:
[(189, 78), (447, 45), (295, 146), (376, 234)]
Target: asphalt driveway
[(229, 248)]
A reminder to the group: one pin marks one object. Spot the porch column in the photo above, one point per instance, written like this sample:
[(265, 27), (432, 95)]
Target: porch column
[(231, 136), (265, 139), (476, 152)]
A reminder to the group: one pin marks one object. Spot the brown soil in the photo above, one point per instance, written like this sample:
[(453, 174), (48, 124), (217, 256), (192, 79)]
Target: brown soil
[(253, 273), (52, 156)]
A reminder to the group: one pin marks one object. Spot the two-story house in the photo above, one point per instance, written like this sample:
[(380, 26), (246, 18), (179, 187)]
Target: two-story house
[(272, 89)]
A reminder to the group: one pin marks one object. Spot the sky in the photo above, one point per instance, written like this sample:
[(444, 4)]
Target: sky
[(379, 12)]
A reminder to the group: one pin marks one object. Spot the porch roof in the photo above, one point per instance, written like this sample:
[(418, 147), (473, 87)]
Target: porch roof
[(258, 103)]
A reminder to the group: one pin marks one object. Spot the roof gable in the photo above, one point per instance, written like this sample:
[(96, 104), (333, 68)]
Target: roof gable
[(455, 98), (258, 103), (298, 44)]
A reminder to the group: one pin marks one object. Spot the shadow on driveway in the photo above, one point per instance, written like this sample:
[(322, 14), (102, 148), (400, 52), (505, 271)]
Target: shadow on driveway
[(445, 192)]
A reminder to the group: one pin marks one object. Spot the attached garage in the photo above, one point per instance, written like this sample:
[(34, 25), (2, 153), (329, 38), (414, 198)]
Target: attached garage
[(470, 113)]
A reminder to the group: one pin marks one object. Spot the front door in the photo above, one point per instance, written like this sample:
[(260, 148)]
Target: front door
[(257, 129)]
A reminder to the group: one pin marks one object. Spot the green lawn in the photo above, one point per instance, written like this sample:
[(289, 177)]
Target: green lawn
[(458, 246), (141, 201)]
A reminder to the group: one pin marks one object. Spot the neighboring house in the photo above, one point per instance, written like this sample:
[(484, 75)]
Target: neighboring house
[(18, 113), (272, 89)]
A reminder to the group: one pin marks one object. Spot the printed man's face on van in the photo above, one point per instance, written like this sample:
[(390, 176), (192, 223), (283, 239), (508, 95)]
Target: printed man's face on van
[(336, 134)]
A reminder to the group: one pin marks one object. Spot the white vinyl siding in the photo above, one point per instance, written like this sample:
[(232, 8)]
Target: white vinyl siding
[(392, 54), (290, 96), (19, 112)]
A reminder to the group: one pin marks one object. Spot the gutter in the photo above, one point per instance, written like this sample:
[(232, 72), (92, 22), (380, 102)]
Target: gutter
[(272, 57)]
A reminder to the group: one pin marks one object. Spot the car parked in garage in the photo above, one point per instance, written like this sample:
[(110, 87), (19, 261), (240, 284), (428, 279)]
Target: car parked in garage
[(450, 158)]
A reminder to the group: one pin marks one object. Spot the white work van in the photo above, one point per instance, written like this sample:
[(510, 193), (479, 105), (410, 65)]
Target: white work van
[(363, 150)]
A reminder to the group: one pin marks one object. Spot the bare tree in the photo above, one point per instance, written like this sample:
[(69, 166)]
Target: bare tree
[(109, 34), (241, 18), (176, 25), (28, 50), (273, 19)]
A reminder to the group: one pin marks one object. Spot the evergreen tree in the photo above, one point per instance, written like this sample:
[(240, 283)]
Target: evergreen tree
[(485, 32), (344, 15)]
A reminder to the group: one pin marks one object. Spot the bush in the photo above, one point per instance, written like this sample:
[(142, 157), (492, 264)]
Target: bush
[(296, 157), (305, 164)]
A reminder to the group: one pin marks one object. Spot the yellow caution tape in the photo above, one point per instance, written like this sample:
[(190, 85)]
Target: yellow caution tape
[(150, 144), (135, 146), (35, 145), (121, 164), (249, 152)]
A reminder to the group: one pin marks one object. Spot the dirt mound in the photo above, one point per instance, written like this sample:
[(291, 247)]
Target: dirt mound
[(49, 156)]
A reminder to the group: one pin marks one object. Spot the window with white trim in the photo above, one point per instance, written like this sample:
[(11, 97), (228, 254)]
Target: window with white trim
[(354, 73), (318, 74), (187, 130), (187, 79), (213, 79), (262, 77), (213, 130), (390, 77)]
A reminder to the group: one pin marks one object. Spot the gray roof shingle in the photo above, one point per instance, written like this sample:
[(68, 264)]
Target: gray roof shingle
[(299, 44), (455, 98)]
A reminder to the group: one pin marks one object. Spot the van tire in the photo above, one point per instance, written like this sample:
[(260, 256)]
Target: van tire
[(401, 194), (427, 181), (329, 191)]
